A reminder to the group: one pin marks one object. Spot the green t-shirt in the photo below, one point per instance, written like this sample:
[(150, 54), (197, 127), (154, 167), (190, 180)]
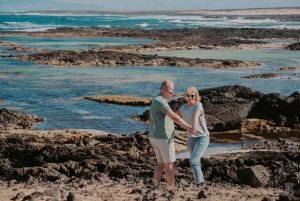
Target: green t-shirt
[(161, 126)]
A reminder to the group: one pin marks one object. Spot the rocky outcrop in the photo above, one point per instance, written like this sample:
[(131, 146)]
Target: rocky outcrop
[(120, 99), (265, 75), (7, 43), (287, 68), (26, 49), (226, 108), (229, 107), (281, 110), (294, 46), (15, 119), (113, 58), (167, 38)]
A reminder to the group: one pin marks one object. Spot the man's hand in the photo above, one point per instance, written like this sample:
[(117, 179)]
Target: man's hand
[(193, 129)]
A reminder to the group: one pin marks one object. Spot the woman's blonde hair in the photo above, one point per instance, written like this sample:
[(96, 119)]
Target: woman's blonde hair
[(191, 90)]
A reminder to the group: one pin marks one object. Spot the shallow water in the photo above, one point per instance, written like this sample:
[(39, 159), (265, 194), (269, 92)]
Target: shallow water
[(48, 91), (72, 43)]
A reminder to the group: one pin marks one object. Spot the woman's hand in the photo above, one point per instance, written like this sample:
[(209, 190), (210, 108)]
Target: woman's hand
[(193, 129)]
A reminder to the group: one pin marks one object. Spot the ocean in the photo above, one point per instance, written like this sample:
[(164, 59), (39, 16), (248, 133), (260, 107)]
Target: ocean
[(51, 91), (41, 22)]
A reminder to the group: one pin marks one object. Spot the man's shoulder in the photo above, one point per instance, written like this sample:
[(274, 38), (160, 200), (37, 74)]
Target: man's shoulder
[(159, 98)]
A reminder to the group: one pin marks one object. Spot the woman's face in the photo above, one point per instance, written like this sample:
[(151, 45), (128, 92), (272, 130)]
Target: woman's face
[(191, 97)]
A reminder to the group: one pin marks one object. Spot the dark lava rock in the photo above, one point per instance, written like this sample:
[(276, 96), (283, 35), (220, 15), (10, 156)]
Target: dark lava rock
[(294, 46), (18, 119), (265, 75), (227, 108), (255, 176)]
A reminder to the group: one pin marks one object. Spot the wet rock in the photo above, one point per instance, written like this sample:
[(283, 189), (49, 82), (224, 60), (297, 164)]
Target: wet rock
[(26, 49), (112, 58), (121, 100), (286, 68), (294, 46), (265, 75)]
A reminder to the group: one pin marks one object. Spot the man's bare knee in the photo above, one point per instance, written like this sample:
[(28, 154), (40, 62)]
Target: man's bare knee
[(168, 166), (161, 165)]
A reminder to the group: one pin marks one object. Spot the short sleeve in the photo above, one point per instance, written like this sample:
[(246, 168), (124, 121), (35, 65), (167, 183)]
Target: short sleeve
[(199, 107), (163, 106)]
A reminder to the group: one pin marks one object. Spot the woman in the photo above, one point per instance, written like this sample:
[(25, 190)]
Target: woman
[(192, 112)]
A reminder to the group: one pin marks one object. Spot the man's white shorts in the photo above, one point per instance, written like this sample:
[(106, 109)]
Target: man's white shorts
[(164, 150)]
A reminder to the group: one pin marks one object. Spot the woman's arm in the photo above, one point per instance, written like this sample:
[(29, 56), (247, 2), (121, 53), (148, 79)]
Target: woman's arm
[(179, 113), (197, 114)]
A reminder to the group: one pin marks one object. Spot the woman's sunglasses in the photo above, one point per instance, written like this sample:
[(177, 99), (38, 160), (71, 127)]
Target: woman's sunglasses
[(190, 96)]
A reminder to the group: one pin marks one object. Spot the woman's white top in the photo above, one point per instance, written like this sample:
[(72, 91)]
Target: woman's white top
[(187, 114)]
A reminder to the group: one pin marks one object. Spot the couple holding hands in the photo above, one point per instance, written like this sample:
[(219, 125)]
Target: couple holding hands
[(161, 132)]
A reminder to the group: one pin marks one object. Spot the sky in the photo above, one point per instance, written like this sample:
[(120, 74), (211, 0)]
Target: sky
[(30, 5)]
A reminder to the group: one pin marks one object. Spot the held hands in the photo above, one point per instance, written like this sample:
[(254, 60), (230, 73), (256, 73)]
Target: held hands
[(193, 129)]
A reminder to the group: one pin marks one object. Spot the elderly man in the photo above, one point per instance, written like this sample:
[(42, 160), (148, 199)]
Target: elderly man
[(161, 133)]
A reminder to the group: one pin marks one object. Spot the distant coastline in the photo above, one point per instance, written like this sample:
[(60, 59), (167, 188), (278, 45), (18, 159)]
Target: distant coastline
[(246, 12)]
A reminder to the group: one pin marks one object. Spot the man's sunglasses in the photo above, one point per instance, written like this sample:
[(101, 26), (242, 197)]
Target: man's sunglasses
[(190, 96)]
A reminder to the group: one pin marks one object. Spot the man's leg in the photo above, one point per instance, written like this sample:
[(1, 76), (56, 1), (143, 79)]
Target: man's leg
[(169, 173), (158, 171)]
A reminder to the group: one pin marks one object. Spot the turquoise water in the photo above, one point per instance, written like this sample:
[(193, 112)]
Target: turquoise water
[(71, 43), (41, 22), (48, 91)]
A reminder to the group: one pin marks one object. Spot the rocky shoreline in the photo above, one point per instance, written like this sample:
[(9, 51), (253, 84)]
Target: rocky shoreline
[(79, 165), (175, 39), (64, 164)]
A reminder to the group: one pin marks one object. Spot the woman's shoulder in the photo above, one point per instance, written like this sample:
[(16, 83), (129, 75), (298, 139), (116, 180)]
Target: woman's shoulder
[(199, 103), (184, 105)]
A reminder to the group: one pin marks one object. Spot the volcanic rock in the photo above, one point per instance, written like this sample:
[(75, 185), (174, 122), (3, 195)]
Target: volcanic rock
[(294, 46), (265, 75), (17, 119)]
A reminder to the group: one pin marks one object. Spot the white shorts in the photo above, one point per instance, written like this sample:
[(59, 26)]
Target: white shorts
[(164, 150)]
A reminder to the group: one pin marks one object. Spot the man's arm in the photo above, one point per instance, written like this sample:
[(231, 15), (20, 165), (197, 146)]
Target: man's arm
[(177, 119)]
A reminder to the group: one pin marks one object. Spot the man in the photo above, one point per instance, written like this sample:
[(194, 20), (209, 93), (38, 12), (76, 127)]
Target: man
[(161, 133)]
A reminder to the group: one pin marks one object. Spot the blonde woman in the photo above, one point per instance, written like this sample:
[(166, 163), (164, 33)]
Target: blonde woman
[(192, 112)]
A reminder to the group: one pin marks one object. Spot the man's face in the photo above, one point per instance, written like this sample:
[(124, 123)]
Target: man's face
[(168, 90)]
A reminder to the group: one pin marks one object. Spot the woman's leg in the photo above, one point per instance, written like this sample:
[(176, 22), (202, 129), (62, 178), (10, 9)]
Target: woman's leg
[(197, 147)]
